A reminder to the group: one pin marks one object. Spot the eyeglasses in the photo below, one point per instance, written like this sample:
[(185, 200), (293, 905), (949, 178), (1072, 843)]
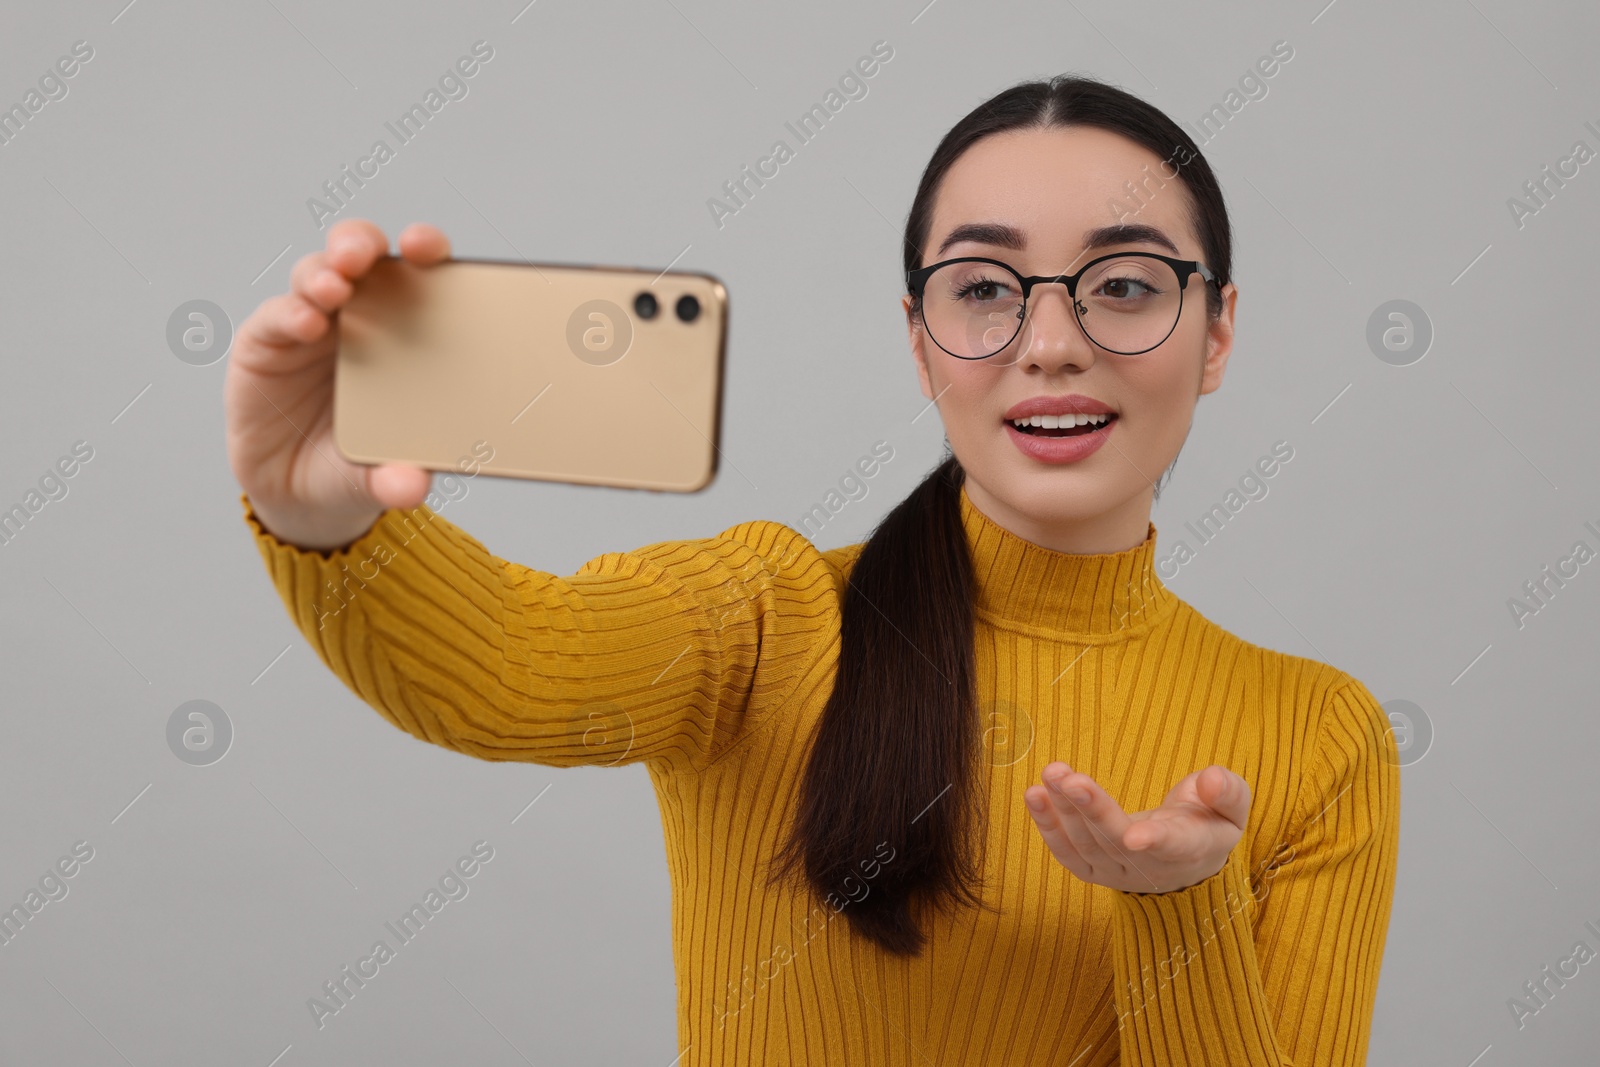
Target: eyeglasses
[(973, 307)]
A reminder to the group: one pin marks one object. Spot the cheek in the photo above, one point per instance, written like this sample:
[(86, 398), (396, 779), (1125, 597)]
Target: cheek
[(1160, 387), (1162, 394), (965, 401)]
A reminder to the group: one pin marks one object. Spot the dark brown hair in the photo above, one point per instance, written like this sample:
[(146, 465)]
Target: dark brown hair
[(891, 805)]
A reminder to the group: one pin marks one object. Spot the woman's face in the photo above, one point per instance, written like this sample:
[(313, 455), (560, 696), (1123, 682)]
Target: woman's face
[(1052, 187)]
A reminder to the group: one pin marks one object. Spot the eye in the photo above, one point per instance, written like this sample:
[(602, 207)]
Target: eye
[(985, 290), (1121, 288)]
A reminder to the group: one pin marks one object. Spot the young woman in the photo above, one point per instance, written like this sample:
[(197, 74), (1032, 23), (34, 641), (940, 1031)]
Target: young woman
[(1063, 817)]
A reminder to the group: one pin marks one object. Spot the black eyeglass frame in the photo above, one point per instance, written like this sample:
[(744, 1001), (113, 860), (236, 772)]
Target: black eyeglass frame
[(917, 280)]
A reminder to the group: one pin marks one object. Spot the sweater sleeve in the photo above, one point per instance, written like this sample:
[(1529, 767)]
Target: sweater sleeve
[(648, 655), (1279, 970)]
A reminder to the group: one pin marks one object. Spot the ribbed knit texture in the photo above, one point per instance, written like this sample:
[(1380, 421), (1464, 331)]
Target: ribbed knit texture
[(710, 660)]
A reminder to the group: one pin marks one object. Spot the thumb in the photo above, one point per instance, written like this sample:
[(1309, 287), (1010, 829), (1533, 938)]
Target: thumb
[(1225, 793), (398, 485)]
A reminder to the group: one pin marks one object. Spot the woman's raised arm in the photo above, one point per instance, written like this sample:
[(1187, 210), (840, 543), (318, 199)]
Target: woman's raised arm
[(646, 655), (642, 655)]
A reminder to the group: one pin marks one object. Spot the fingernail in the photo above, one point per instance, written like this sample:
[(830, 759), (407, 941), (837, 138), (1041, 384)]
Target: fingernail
[(1078, 795)]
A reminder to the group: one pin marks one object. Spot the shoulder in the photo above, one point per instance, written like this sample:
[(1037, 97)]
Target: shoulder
[(1300, 684), (758, 570), (1329, 730), (1310, 697)]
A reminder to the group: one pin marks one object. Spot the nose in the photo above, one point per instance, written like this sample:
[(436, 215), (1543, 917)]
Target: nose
[(1052, 338)]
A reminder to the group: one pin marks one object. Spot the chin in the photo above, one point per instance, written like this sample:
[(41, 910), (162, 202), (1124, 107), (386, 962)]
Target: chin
[(1051, 496)]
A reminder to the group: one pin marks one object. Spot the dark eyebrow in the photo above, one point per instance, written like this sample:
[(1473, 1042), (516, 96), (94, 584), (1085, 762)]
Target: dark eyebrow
[(1128, 233), (986, 233), (1003, 236)]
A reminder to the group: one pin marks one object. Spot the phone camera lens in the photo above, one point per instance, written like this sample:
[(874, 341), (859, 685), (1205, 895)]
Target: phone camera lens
[(645, 305), (688, 308)]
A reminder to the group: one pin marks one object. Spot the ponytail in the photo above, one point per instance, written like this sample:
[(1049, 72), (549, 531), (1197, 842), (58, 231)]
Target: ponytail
[(890, 796)]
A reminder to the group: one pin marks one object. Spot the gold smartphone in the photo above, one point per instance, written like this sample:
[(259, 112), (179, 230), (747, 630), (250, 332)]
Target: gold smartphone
[(595, 375)]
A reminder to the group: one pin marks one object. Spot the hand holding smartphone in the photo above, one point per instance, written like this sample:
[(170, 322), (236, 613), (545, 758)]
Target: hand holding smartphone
[(547, 409)]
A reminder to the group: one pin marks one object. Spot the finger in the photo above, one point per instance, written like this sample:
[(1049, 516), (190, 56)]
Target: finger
[(1148, 836), (1102, 817), (354, 245), (284, 320), (424, 244), (322, 286), (1055, 837), (398, 485), (1226, 793), (1066, 804), (1071, 800)]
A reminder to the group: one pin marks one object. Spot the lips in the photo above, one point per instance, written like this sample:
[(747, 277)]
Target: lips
[(1053, 446), (1056, 445)]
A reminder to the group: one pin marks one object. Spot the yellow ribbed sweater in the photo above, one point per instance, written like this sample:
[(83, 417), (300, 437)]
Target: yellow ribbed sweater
[(709, 660)]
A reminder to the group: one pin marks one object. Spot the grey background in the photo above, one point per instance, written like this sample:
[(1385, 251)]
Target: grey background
[(1419, 498)]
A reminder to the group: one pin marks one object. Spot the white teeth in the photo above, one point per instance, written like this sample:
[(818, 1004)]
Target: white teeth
[(1061, 422)]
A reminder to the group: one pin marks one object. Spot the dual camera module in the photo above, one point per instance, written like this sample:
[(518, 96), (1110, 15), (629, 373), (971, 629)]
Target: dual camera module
[(646, 306)]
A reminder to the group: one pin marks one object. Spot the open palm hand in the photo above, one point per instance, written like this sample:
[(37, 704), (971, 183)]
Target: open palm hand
[(1184, 841)]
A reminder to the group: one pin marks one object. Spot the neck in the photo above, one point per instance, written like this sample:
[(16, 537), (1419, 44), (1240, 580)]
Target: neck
[(1025, 585)]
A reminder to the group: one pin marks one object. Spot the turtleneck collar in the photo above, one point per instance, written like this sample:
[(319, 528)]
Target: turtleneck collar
[(1026, 586)]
